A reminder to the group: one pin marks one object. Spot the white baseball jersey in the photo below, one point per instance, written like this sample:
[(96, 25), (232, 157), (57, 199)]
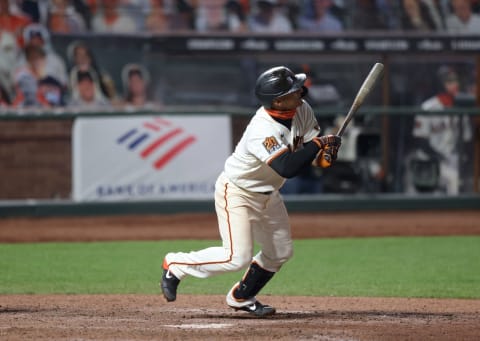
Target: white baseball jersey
[(263, 140), (442, 131)]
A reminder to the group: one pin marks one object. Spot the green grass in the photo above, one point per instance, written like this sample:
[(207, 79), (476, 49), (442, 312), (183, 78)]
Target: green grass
[(402, 266)]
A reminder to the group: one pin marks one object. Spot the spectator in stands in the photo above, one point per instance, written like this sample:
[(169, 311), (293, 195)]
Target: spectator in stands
[(38, 35), (85, 93), (418, 15), (291, 9), (184, 16), (63, 18), (36, 10), (235, 19), (28, 75), (268, 19), (436, 137), (374, 15), (159, 17), (463, 19), (12, 22), (9, 50), (136, 81), (318, 18), (39, 10), (209, 15), (138, 10), (109, 19), (81, 58), (164, 16), (50, 92)]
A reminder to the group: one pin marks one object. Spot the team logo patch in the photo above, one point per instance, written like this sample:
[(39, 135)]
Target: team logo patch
[(271, 144)]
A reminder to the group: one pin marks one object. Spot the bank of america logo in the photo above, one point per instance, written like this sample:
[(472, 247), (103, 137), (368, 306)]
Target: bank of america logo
[(157, 139)]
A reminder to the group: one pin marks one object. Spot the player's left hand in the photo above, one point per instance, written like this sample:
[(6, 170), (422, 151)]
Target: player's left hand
[(330, 140)]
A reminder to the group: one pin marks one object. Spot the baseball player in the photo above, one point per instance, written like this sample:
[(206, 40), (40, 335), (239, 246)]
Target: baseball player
[(281, 139), (438, 136)]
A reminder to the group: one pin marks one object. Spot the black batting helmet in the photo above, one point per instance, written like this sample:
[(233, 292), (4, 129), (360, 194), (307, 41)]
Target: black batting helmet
[(278, 81)]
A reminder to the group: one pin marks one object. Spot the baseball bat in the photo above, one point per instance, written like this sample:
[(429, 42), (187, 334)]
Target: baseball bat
[(368, 83), (362, 93)]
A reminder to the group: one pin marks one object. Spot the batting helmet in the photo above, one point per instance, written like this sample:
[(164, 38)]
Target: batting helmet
[(278, 81)]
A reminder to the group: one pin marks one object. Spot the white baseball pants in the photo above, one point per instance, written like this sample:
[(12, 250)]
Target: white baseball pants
[(243, 217)]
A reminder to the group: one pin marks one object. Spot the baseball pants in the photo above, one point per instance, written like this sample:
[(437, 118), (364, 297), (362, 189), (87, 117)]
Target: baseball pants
[(243, 217)]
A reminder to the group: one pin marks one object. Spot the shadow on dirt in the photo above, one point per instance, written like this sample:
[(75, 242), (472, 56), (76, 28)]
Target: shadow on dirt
[(334, 315)]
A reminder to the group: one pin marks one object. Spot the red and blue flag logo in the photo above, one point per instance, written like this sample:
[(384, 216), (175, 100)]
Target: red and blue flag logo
[(157, 139)]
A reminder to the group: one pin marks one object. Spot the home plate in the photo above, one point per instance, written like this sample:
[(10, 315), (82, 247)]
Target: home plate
[(200, 326)]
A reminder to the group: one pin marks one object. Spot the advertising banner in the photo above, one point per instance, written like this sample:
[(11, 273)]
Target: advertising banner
[(148, 157)]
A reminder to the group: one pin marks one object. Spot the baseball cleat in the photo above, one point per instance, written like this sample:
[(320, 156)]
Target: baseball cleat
[(258, 309), (169, 284)]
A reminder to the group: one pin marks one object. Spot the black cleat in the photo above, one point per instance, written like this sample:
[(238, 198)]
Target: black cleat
[(258, 309), (169, 285)]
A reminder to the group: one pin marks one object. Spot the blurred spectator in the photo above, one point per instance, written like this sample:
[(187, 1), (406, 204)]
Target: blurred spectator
[(136, 82), (63, 18), (83, 9), (138, 10), (109, 19), (235, 19), (28, 76), (436, 137), (291, 9), (38, 35), (85, 93), (318, 18), (36, 10), (81, 58), (374, 15), (421, 15), (9, 50), (184, 18), (463, 19), (268, 19), (12, 22), (50, 92), (159, 17), (209, 15)]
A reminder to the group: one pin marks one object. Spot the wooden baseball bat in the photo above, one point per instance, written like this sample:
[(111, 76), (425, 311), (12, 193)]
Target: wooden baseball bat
[(362, 93), (368, 83)]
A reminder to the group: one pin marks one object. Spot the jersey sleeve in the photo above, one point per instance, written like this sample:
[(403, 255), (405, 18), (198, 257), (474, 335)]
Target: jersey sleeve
[(266, 144)]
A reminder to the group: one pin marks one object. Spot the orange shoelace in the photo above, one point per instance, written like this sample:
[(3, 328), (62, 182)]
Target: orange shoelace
[(283, 115)]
